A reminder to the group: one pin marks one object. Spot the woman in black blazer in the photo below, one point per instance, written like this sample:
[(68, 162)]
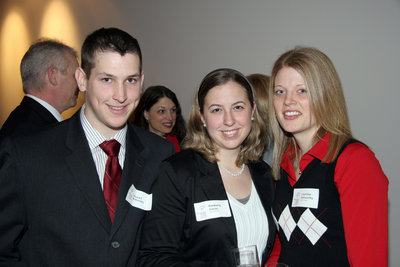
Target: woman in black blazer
[(216, 194)]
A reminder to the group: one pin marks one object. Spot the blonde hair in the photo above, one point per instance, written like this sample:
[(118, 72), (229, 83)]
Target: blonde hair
[(327, 103), (260, 83), (197, 136)]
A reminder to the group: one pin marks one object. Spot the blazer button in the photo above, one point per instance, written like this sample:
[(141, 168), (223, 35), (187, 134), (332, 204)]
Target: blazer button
[(115, 244)]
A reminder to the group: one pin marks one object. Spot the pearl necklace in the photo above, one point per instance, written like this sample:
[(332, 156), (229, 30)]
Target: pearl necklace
[(232, 173)]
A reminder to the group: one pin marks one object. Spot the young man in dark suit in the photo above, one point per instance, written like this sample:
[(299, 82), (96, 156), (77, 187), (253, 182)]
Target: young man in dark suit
[(48, 79), (55, 210)]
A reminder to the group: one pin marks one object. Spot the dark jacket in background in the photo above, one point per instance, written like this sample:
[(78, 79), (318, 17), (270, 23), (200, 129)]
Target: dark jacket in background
[(29, 116)]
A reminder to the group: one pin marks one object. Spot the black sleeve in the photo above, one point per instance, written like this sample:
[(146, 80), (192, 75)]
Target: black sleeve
[(12, 220), (163, 225)]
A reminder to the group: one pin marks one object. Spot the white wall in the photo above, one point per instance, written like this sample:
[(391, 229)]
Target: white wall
[(182, 40)]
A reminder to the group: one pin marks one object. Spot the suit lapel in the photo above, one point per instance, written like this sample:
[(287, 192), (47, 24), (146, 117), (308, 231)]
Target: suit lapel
[(132, 174), (81, 164), (211, 181), (213, 187), (263, 182)]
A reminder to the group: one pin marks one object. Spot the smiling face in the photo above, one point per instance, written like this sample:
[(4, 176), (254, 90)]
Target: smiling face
[(227, 114), (292, 106), (161, 117), (112, 91)]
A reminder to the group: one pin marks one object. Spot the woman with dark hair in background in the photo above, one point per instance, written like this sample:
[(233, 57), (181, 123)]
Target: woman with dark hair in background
[(159, 112), (216, 194)]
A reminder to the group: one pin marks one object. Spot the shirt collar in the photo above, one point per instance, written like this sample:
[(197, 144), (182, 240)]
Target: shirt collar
[(318, 151), (47, 106), (94, 137)]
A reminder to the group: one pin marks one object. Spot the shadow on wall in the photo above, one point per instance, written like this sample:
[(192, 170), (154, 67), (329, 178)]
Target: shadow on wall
[(56, 21)]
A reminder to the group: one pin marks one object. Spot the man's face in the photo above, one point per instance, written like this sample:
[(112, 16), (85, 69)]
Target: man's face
[(68, 91), (112, 91)]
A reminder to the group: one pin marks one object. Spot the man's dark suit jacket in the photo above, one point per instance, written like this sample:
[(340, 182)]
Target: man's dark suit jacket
[(30, 115), (51, 196), (171, 234)]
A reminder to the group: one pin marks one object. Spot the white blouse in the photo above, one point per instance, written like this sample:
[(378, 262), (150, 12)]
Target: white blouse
[(251, 221)]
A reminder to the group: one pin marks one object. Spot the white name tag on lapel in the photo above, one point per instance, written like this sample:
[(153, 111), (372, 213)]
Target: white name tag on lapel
[(211, 209), (305, 198), (139, 199)]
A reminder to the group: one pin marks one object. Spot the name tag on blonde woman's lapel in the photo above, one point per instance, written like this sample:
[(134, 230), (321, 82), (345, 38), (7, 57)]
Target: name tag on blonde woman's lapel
[(305, 198), (212, 209), (139, 199)]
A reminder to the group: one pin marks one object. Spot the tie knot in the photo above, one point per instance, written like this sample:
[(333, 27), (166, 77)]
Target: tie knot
[(111, 147)]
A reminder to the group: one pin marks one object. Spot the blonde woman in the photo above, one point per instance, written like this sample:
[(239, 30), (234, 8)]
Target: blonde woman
[(331, 194)]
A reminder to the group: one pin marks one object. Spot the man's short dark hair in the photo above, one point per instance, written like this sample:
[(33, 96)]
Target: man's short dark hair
[(108, 40)]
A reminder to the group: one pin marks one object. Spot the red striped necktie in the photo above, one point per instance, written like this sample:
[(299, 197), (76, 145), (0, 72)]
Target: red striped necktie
[(112, 175)]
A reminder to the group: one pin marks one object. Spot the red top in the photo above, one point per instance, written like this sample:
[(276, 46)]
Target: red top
[(172, 138), (363, 190)]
